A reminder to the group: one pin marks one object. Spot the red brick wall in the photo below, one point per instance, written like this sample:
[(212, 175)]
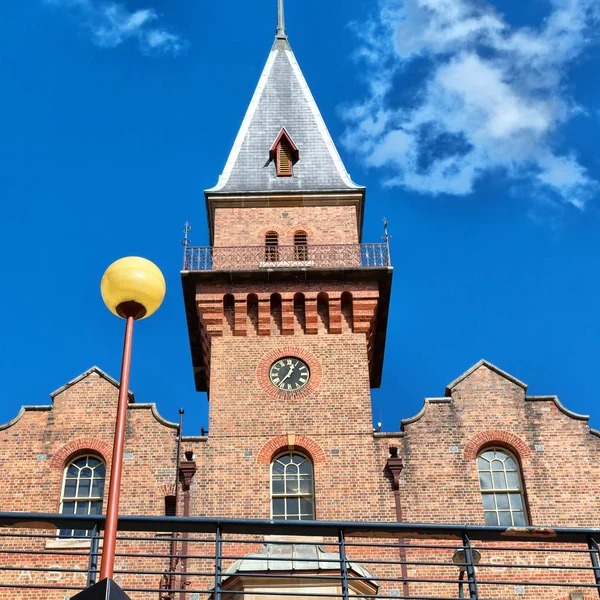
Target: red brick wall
[(248, 226), (247, 412), (560, 457), (34, 452)]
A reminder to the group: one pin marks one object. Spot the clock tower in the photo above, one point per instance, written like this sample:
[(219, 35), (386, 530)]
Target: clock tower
[(287, 314)]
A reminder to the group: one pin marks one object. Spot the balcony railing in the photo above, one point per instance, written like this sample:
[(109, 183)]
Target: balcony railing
[(251, 258), (233, 559)]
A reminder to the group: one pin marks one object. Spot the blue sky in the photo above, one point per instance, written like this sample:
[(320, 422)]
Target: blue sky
[(473, 125)]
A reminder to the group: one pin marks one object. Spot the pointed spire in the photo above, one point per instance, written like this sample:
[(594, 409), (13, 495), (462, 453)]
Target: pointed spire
[(281, 34)]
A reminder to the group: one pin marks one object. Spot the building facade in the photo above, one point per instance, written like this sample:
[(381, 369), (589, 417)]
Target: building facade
[(287, 315)]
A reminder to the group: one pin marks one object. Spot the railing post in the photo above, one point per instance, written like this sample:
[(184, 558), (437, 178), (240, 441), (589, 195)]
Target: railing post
[(94, 553), (343, 565), (594, 550), (218, 563), (470, 567)]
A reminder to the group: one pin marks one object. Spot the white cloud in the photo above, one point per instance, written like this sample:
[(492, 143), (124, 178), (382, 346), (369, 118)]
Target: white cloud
[(493, 97), (111, 24)]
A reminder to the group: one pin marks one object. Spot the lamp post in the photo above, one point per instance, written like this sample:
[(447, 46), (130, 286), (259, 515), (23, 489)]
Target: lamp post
[(132, 288)]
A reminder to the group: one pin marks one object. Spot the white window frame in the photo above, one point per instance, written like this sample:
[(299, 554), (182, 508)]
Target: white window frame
[(515, 494), (88, 499), (308, 495)]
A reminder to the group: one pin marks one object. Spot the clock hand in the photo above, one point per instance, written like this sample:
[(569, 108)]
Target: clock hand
[(288, 374)]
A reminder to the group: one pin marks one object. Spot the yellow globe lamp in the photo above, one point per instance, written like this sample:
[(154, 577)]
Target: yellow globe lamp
[(133, 287)]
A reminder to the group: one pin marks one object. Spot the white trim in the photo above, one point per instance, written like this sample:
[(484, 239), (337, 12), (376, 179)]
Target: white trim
[(335, 156), (241, 136), (426, 404), (559, 405), (22, 411), (155, 414)]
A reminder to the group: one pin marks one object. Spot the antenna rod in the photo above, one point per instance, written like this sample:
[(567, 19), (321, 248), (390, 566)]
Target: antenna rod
[(281, 34)]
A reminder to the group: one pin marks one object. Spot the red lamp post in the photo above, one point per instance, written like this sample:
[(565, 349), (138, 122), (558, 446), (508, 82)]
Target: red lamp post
[(132, 288)]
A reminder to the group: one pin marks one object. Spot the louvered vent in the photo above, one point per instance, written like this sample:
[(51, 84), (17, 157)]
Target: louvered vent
[(284, 160), (271, 246), (301, 245)]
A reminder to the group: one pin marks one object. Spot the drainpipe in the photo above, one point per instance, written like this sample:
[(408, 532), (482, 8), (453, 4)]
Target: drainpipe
[(395, 466), (187, 470)]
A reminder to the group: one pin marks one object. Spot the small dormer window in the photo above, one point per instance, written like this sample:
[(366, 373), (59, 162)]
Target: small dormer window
[(285, 154)]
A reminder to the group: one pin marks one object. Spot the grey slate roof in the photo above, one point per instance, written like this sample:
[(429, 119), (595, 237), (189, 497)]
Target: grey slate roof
[(283, 99), (294, 557)]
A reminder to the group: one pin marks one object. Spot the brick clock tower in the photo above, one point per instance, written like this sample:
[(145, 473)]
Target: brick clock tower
[(287, 314)]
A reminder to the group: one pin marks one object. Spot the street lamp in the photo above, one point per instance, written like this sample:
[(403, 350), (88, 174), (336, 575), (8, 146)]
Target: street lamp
[(132, 288), (458, 558)]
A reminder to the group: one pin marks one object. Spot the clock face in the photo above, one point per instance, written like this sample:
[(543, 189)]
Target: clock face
[(289, 374)]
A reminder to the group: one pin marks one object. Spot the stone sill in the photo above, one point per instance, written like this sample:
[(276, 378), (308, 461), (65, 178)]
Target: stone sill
[(69, 543)]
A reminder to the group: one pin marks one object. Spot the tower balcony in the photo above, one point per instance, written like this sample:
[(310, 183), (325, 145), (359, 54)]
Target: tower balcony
[(268, 258)]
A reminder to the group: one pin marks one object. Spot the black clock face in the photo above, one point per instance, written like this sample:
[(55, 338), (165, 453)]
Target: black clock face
[(289, 374)]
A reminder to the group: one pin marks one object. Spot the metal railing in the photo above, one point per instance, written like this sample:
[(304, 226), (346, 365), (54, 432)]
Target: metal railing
[(227, 559), (251, 258)]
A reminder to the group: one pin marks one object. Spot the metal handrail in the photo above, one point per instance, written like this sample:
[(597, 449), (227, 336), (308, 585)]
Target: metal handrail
[(251, 258), (352, 554)]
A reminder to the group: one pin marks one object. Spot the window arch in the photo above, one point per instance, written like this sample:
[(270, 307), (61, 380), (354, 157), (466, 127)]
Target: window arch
[(501, 487), (271, 246), (292, 487), (82, 490), (300, 245)]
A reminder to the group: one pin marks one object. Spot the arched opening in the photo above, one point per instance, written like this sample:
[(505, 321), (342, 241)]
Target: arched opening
[(347, 312), (229, 313), (272, 246), (299, 312), (252, 313), (323, 310), (301, 245), (83, 490), (292, 487), (501, 487), (276, 324)]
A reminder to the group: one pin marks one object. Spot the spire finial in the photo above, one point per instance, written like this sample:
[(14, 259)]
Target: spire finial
[(280, 21)]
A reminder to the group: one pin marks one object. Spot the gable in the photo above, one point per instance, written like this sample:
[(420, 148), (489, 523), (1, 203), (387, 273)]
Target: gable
[(482, 370)]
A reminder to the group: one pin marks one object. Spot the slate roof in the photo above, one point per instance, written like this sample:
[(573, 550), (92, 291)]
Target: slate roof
[(283, 99), (294, 557)]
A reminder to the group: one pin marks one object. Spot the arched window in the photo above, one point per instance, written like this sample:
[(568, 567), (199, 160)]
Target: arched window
[(501, 488), (300, 245), (272, 246), (83, 490), (292, 491)]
